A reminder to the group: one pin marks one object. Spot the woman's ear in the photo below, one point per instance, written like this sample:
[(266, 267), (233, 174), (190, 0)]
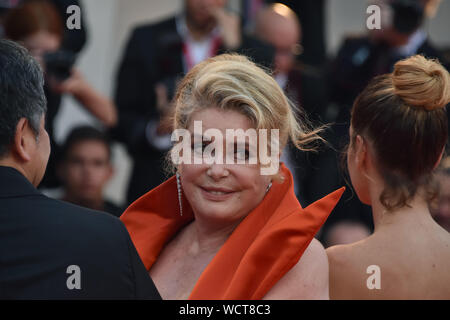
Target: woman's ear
[(439, 159), (360, 149)]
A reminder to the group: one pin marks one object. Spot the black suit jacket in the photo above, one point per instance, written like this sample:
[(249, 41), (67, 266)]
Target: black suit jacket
[(306, 87), (357, 62), (41, 238), (154, 54)]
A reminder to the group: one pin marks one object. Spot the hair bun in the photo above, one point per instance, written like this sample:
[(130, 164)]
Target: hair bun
[(422, 82)]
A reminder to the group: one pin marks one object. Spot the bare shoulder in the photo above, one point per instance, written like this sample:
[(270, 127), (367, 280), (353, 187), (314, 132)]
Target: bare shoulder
[(308, 279), (347, 277), (339, 257)]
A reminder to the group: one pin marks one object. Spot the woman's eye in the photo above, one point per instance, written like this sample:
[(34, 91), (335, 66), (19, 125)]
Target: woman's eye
[(198, 148), (242, 154)]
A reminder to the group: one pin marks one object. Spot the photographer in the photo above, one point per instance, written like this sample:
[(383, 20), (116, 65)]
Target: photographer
[(73, 39), (360, 58), (38, 26)]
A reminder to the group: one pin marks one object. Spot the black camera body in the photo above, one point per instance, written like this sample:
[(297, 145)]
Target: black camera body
[(408, 15), (59, 64)]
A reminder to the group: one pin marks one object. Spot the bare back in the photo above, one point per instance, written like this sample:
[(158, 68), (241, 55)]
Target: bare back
[(405, 263)]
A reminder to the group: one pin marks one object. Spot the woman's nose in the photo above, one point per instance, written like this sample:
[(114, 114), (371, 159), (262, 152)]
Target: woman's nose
[(217, 171)]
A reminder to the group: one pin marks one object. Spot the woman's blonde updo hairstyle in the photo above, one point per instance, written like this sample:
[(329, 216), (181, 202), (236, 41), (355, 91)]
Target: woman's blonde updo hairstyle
[(231, 81), (420, 82), (403, 115)]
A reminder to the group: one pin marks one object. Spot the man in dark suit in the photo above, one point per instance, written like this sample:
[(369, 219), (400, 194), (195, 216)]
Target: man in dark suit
[(361, 58), (50, 249), (279, 26), (156, 56)]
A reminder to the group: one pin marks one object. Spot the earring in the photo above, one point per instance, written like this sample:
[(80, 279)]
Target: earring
[(269, 186), (179, 193)]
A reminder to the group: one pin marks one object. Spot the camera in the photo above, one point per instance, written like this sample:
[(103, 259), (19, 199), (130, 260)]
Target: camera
[(407, 15), (59, 64)]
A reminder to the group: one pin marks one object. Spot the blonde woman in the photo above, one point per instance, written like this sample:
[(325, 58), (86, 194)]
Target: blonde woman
[(232, 230), (397, 136)]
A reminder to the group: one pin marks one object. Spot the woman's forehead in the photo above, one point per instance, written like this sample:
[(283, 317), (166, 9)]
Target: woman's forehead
[(215, 118)]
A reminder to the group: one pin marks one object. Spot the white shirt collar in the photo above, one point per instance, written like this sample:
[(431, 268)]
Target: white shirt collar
[(414, 43), (281, 79)]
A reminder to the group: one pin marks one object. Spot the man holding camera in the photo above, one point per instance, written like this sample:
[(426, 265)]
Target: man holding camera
[(359, 59), (39, 26)]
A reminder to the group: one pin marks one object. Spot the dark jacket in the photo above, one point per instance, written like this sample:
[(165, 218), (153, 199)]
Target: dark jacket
[(358, 61), (49, 247)]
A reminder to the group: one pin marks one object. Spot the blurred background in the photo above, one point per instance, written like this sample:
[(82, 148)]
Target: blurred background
[(111, 21), (321, 51)]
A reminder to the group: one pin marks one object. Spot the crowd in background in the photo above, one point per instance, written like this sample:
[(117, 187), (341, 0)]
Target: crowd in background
[(287, 37)]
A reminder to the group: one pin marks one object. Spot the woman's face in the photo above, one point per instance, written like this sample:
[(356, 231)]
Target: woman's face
[(226, 192), (40, 43)]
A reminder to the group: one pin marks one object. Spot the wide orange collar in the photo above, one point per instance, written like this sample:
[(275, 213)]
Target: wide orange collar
[(264, 246)]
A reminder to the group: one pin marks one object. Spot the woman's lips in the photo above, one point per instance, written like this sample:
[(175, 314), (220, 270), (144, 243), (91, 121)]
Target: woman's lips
[(216, 194)]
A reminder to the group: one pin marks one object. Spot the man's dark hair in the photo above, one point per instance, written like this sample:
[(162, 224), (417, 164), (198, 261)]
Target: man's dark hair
[(21, 92), (82, 134)]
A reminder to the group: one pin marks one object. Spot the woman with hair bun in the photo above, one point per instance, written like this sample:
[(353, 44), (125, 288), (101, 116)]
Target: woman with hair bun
[(398, 134)]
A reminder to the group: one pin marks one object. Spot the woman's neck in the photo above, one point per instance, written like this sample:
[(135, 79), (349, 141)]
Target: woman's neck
[(411, 215), (209, 236)]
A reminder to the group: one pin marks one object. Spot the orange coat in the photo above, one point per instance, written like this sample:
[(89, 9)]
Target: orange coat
[(261, 250)]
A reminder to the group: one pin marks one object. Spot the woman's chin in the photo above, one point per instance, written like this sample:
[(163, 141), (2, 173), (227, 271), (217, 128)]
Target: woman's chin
[(216, 211)]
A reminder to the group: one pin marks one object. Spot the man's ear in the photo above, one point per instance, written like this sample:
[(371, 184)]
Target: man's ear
[(24, 140)]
